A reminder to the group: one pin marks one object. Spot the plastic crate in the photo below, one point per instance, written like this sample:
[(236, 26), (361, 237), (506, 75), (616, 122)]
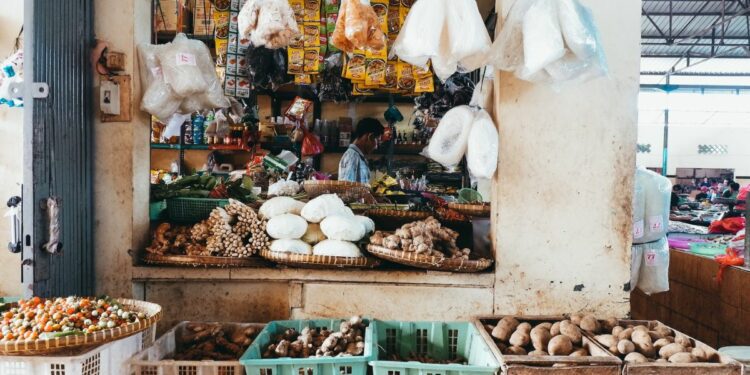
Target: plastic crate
[(110, 358), (151, 361), (192, 210), (440, 340), (708, 248), (157, 210), (353, 365)]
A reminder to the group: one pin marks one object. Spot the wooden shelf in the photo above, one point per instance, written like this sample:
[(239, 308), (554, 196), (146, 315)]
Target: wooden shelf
[(160, 146)]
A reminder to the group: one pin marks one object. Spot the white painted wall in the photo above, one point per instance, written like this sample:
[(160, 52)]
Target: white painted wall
[(11, 152)]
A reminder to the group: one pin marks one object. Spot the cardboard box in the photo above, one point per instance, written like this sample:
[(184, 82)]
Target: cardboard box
[(203, 18), (166, 14)]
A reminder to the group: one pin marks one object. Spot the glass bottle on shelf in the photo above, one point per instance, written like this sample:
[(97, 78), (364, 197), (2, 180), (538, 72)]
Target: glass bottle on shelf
[(187, 133)]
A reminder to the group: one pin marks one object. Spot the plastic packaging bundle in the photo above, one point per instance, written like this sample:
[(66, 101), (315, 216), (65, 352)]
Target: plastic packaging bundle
[(214, 96), (332, 86), (639, 207), (268, 23), (450, 32), (654, 272), (449, 142), (551, 41), (657, 191), (266, 67), (180, 65), (482, 155), (357, 28), (158, 98), (456, 91)]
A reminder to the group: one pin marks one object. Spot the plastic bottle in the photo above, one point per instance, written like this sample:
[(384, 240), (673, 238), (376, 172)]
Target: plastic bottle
[(199, 123)]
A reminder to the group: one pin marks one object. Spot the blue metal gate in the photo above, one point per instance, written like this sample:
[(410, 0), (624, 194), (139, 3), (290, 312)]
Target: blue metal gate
[(58, 146)]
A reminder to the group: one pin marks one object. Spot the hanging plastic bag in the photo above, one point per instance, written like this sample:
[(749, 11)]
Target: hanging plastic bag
[(311, 144), (481, 157), (357, 27), (449, 142), (639, 208), (654, 272), (179, 63), (658, 192), (636, 259), (584, 58), (542, 37), (267, 68), (420, 36), (158, 97), (268, 23)]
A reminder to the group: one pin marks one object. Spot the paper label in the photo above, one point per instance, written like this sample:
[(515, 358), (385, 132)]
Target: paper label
[(638, 229), (156, 72), (650, 258), (656, 224), (185, 59)]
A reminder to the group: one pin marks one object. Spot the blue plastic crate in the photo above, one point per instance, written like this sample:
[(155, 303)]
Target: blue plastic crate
[(440, 341), (353, 365)]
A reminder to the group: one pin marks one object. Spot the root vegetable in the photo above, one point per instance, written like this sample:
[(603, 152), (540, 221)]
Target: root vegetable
[(669, 350), (683, 340), (560, 345), (625, 347), (538, 353), (515, 350), (699, 354), (655, 335), (580, 352), (540, 337), (576, 318), (660, 343), (682, 358), (641, 337), (606, 340), (555, 329), (646, 349), (625, 334), (519, 338), (589, 323), (505, 328), (635, 357), (545, 325), (616, 331), (609, 324), (526, 327), (664, 330), (571, 331)]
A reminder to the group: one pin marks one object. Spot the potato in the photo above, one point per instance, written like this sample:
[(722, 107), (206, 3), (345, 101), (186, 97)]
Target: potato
[(683, 340), (682, 358), (608, 324), (526, 327), (560, 345), (668, 351), (612, 349), (580, 352), (660, 343), (664, 330), (655, 335), (545, 325), (635, 357), (699, 354), (640, 337), (538, 353), (519, 338), (501, 346), (606, 340), (589, 323), (505, 328), (515, 350), (555, 329), (661, 360), (641, 328), (625, 347), (625, 334), (576, 318), (646, 349), (540, 337), (571, 331), (616, 331)]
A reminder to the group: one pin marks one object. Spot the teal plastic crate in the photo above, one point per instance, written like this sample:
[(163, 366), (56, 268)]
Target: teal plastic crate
[(352, 365), (707, 248), (440, 341), (157, 210), (192, 210)]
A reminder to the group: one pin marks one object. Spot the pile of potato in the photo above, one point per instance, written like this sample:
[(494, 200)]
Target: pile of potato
[(639, 344), (213, 341), (347, 341), (562, 338)]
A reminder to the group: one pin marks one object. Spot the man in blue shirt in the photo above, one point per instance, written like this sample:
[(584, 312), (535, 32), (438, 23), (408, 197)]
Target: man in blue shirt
[(353, 165)]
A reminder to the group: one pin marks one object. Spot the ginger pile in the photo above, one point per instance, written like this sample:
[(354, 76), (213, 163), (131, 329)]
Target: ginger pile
[(203, 341), (427, 237), (174, 240), (316, 342)]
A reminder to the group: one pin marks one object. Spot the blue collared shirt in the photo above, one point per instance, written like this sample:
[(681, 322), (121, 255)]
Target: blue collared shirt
[(353, 166)]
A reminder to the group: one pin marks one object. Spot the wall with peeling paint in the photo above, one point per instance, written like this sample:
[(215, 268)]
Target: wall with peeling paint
[(561, 208)]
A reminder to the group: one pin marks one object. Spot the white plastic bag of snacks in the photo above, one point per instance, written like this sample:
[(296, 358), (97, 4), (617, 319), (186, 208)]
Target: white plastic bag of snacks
[(639, 207), (180, 64), (158, 97), (449, 142), (654, 272), (214, 96), (657, 191), (268, 23), (482, 156)]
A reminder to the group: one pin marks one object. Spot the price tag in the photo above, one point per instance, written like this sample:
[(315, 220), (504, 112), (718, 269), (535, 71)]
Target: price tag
[(185, 59), (656, 224), (650, 258), (638, 229)]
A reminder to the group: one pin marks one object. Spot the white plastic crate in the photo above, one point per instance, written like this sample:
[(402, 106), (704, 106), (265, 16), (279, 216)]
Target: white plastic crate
[(107, 359), (153, 360)]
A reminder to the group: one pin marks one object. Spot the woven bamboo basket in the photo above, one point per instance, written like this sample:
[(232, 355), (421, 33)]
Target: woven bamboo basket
[(429, 262), (346, 190), (61, 345), (202, 261), (319, 261), (398, 214), (476, 210)]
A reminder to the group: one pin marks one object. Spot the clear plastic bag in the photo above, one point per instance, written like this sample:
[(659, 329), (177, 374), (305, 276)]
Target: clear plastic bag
[(449, 142), (268, 23), (158, 97), (636, 259), (420, 37), (654, 272), (180, 65), (639, 208), (481, 157), (542, 37), (214, 96), (657, 192)]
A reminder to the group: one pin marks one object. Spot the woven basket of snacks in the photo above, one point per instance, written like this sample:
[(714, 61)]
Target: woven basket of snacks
[(318, 261), (425, 244), (348, 191), (130, 317), (470, 209), (397, 214)]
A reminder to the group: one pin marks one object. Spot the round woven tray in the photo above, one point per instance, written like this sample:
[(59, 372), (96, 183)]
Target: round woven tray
[(70, 343), (319, 261), (346, 190), (476, 210), (398, 214), (202, 261), (429, 262)]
